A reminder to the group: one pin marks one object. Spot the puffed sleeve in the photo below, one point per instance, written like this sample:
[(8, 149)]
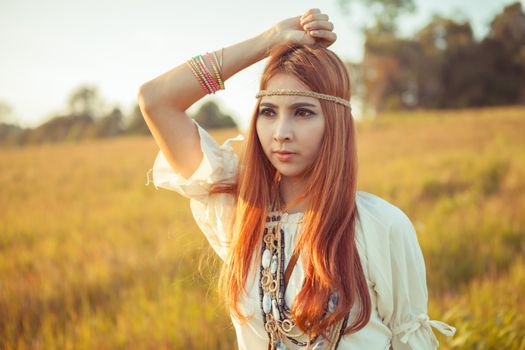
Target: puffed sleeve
[(212, 213), (404, 301)]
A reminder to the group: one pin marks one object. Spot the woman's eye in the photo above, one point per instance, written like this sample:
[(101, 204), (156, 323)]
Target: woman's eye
[(304, 112), (265, 112), (300, 112)]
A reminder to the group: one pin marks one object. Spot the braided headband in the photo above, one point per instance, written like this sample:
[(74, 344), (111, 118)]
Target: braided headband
[(303, 93)]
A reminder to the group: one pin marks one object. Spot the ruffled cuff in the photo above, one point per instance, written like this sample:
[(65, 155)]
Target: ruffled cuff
[(418, 332), (218, 163)]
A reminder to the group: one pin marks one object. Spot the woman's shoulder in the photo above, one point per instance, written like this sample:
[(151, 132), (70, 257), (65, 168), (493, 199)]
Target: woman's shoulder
[(377, 207), (379, 214)]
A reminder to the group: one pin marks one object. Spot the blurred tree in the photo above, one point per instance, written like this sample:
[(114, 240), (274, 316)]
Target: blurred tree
[(85, 100), (509, 28), (503, 54), (449, 76), (378, 67), (6, 112), (110, 125), (10, 131), (62, 127), (135, 123), (209, 116), (442, 66)]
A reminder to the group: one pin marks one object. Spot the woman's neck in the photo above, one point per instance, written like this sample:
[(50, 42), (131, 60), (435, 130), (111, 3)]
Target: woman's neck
[(291, 188)]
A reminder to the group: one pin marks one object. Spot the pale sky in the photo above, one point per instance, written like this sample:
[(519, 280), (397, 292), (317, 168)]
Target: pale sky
[(49, 48)]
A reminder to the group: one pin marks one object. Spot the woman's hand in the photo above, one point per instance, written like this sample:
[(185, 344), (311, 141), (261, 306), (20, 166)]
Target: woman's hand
[(310, 28)]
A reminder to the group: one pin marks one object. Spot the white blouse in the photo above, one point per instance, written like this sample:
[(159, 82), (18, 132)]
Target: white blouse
[(388, 247)]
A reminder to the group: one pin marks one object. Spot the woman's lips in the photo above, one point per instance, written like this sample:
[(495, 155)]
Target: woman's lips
[(284, 156)]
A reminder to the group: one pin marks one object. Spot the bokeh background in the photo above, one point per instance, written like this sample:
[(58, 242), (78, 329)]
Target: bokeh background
[(93, 258)]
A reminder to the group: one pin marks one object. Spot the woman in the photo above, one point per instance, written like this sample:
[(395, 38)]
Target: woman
[(309, 261)]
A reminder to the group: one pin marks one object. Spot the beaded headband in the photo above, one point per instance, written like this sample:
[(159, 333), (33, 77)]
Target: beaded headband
[(303, 93)]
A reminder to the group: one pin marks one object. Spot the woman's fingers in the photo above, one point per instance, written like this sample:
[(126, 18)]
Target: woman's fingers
[(317, 17), (316, 25), (314, 20), (324, 34), (313, 11)]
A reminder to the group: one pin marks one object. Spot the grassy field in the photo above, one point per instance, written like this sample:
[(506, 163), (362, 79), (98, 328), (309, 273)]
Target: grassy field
[(91, 258)]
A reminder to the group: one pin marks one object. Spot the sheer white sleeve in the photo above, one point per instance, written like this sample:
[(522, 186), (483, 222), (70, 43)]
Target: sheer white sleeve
[(404, 309), (212, 213)]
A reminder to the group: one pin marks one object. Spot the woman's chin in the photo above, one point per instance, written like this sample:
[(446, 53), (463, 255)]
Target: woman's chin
[(290, 171)]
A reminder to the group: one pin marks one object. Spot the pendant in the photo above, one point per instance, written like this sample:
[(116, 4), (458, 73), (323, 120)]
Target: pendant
[(280, 345), (267, 303), (273, 266), (266, 258), (332, 301), (275, 310)]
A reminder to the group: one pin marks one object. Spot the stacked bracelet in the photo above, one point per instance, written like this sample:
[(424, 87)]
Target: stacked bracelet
[(209, 81)]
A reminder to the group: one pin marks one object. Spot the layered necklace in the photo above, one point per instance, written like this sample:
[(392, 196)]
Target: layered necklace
[(277, 316)]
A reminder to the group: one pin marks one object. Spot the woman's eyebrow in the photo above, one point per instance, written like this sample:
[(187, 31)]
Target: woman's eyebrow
[(294, 105)]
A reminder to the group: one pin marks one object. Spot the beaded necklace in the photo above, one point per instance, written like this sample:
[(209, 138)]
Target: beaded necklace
[(277, 317)]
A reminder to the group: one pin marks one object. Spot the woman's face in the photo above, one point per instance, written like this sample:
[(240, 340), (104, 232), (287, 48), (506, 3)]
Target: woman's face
[(290, 123)]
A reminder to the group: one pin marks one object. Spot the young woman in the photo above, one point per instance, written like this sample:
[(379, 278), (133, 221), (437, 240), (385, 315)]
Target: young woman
[(310, 262)]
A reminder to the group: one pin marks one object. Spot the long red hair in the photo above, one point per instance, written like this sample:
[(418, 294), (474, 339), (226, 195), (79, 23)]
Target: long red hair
[(327, 244)]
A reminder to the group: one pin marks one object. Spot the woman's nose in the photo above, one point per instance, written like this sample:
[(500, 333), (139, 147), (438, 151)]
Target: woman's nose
[(283, 129)]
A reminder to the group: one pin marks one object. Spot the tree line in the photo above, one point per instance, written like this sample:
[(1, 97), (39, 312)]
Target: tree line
[(87, 118), (441, 66)]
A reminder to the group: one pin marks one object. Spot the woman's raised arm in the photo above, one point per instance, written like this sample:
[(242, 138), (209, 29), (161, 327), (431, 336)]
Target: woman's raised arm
[(164, 99)]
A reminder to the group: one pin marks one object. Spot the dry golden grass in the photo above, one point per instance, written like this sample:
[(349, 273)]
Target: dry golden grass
[(91, 258)]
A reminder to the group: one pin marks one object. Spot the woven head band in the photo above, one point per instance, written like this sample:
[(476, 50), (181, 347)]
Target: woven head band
[(303, 93)]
